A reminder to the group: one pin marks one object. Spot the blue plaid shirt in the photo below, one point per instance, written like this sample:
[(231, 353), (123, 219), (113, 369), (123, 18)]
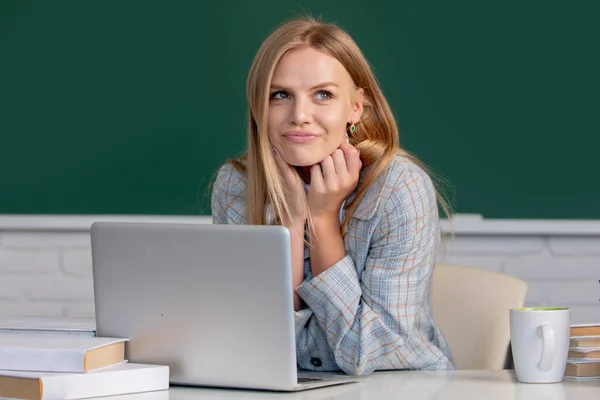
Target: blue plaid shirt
[(372, 309)]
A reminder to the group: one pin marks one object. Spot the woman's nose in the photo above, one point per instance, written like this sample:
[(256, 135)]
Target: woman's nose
[(300, 113)]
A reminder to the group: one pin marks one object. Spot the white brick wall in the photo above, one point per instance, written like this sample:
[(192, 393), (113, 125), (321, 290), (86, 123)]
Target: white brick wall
[(46, 267), (561, 270), (45, 274)]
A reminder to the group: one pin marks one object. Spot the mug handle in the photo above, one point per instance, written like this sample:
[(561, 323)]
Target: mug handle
[(548, 345)]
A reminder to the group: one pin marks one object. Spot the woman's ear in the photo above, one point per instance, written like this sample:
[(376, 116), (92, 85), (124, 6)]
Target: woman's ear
[(357, 105)]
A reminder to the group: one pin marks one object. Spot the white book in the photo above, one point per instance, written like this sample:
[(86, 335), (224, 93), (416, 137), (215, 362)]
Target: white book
[(582, 378), (585, 352), (585, 341), (53, 353), (583, 360), (587, 329), (116, 380), (580, 367)]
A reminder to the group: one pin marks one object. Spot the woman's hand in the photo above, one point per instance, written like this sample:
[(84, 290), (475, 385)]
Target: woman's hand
[(332, 181)]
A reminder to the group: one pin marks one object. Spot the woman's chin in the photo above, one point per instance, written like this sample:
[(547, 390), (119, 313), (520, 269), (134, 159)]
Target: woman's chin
[(302, 160)]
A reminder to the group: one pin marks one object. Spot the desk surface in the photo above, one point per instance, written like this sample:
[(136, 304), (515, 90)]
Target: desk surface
[(414, 385)]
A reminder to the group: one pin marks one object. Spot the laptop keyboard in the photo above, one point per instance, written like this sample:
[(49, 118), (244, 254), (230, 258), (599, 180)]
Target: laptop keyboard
[(306, 380)]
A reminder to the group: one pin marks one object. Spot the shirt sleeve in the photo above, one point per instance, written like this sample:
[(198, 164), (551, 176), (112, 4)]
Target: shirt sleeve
[(380, 319), (227, 202)]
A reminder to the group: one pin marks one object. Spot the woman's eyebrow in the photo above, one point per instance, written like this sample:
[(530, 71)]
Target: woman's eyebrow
[(319, 86)]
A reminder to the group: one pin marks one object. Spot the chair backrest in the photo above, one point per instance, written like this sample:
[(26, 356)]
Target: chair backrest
[(471, 307)]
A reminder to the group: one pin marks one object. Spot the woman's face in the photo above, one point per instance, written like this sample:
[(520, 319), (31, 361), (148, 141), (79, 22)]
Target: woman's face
[(311, 100)]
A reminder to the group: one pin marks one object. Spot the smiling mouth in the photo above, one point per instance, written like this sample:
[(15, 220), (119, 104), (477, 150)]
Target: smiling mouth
[(300, 137)]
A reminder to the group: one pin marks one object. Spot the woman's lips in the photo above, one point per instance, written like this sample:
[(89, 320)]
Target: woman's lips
[(300, 136)]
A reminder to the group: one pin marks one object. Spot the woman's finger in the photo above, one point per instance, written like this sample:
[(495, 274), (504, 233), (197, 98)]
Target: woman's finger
[(352, 156), (329, 174), (339, 161), (317, 183)]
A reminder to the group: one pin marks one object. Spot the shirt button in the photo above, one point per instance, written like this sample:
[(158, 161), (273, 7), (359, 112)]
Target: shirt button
[(316, 362)]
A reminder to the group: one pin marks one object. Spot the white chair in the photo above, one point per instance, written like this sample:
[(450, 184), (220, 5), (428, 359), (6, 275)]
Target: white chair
[(471, 306)]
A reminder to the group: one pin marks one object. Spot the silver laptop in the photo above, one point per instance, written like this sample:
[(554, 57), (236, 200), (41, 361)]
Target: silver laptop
[(214, 302)]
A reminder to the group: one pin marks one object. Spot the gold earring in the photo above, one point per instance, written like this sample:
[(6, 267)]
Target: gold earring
[(351, 128)]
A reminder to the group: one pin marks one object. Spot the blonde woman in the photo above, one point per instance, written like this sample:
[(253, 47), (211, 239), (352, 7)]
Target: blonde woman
[(323, 160)]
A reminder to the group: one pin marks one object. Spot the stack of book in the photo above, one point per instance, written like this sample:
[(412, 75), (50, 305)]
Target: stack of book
[(584, 352), (40, 367)]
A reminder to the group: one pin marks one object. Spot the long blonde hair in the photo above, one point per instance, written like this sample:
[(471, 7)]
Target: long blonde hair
[(376, 135)]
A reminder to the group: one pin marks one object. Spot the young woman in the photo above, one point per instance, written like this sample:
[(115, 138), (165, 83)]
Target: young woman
[(323, 160)]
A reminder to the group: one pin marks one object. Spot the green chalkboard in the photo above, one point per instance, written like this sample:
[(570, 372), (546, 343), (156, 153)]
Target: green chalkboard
[(129, 107)]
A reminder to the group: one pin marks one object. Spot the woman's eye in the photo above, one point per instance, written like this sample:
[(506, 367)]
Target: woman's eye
[(279, 95), (324, 95)]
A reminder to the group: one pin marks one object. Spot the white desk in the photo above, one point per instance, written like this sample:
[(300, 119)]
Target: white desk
[(409, 385)]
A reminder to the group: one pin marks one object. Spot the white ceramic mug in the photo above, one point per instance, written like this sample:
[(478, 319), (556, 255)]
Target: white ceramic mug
[(539, 339)]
